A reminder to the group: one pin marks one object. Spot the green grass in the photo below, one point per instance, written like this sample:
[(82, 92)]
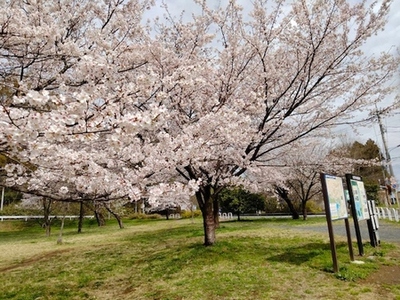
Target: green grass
[(159, 259)]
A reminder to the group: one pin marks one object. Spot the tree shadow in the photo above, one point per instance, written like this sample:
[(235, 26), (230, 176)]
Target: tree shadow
[(299, 255)]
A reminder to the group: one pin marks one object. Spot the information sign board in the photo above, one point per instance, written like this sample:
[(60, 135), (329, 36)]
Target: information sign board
[(336, 198), (360, 198), (335, 209)]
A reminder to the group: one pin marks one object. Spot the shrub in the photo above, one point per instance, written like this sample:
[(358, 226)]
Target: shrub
[(313, 207), (186, 214), (15, 210), (142, 216)]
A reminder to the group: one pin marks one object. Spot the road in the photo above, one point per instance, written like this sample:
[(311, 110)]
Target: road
[(388, 231)]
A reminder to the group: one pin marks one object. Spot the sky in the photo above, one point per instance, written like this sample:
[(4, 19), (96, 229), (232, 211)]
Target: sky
[(387, 40)]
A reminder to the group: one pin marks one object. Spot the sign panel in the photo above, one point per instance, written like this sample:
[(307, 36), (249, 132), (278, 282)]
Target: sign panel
[(360, 198), (336, 198), (335, 208)]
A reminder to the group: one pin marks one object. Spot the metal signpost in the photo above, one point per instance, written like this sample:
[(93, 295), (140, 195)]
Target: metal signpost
[(358, 205), (373, 225)]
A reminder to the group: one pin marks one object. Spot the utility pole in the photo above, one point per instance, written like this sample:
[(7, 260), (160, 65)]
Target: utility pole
[(388, 160)]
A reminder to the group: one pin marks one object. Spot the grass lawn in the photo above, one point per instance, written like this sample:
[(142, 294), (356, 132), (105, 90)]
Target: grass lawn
[(160, 259)]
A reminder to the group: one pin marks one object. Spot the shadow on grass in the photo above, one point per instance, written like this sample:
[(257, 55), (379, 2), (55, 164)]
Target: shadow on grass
[(298, 255), (166, 234), (318, 255)]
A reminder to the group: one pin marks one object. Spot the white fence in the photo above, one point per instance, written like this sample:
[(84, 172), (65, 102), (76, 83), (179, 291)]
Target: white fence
[(387, 213), (174, 216), (26, 218), (226, 215)]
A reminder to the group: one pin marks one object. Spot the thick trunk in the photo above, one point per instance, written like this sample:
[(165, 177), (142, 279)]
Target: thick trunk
[(295, 214), (207, 208), (48, 228), (206, 197), (304, 209), (283, 193), (209, 224), (101, 221), (81, 215)]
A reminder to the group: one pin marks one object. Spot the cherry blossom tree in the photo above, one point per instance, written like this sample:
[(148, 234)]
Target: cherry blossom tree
[(260, 84), (105, 106), (302, 167), (70, 79), (64, 96)]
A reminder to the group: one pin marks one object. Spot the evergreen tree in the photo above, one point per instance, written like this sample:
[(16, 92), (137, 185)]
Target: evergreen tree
[(373, 175)]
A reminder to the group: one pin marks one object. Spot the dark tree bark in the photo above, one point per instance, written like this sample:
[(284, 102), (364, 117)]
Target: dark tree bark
[(304, 209), (81, 215), (304, 188), (46, 215), (283, 193), (116, 216), (207, 208), (207, 198), (101, 221)]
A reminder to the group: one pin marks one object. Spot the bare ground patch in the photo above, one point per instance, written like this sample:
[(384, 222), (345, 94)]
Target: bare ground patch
[(34, 259), (385, 275)]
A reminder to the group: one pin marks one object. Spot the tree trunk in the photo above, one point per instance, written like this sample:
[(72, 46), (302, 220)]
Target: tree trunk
[(207, 208), (295, 214), (304, 209), (101, 221), (46, 216), (283, 193), (117, 216), (81, 215), (209, 224)]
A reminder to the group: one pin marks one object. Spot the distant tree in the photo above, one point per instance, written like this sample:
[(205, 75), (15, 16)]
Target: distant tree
[(166, 210), (283, 193), (302, 168), (11, 196), (47, 206), (304, 187), (366, 163), (239, 201)]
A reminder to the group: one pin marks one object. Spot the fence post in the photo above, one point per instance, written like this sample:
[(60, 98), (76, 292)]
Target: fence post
[(388, 212), (395, 214)]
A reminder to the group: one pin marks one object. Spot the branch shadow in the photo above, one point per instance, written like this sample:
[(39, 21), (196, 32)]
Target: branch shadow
[(299, 255)]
